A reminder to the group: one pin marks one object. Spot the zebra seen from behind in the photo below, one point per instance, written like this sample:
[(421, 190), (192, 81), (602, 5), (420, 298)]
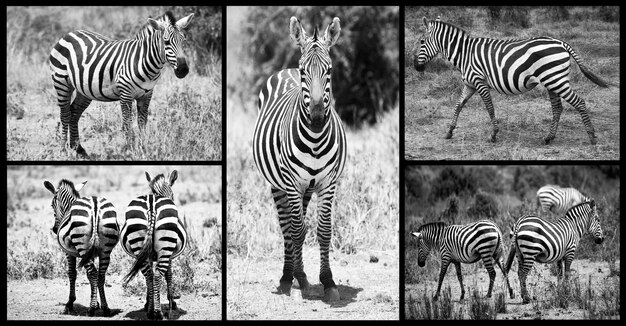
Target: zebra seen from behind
[(510, 67), (466, 244), (299, 147), (534, 239), (559, 200), (98, 68), (85, 228), (153, 232)]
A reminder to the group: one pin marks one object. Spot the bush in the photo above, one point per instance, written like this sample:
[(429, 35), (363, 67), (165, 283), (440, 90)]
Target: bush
[(484, 206), (511, 16), (452, 180), (608, 14), (365, 60)]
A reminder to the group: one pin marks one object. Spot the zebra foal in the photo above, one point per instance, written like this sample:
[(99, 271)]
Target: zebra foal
[(534, 239), (462, 244), (97, 68), (152, 232), (299, 147), (510, 67), (85, 228)]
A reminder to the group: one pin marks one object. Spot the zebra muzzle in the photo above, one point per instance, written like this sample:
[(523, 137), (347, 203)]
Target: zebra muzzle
[(599, 240), (419, 67), (317, 117), (181, 68)]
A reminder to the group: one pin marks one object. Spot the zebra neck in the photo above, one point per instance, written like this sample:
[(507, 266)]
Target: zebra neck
[(453, 47), (151, 42), (301, 125), (577, 221)]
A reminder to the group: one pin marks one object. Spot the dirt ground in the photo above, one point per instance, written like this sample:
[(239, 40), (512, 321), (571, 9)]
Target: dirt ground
[(537, 284), (44, 299), (368, 290)]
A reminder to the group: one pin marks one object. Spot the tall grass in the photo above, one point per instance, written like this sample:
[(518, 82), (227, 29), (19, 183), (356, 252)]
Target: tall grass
[(185, 115)]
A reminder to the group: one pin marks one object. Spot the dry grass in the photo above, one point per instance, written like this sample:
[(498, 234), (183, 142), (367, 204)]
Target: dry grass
[(525, 119), (185, 121)]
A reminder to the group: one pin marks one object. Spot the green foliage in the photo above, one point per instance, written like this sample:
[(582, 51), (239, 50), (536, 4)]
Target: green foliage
[(365, 58)]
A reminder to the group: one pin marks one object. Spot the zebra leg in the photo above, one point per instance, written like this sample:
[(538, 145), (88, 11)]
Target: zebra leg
[(299, 273), (483, 90), (506, 277), (522, 272), (92, 275), (143, 103), (170, 295), (324, 235), (284, 219), (146, 270), (298, 234), (577, 102), (557, 108), (71, 274), (488, 262), (466, 93), (103, 265), (156, 289), (444, 267), (78, 106), (127, 119), (459, 275), (64, 92)]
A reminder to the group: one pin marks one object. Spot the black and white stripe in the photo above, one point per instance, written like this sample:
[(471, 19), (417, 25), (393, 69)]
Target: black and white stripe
[(86, 228), (508, 66), (299, 147), (101, 69), (152, 232), (466, 244), (534, 239), (559, 200)]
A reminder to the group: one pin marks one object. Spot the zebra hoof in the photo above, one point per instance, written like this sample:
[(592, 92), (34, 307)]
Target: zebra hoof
[(492, 139), (285, 288), (526, 300), (448, 135), (173, 305), (80, 151), (331, 294), (594, 140), (158, 315), (547, 140), (435, 298), (304, 285), (91, 312), (146, 306), (69, 309), (106, 312)]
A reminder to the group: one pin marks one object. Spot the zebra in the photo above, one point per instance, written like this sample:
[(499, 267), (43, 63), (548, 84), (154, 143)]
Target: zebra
[(85, 228), (299, 147), (534, 239), (102, 69), (466, 244), (559, 200), (510, 67), (153, 232)]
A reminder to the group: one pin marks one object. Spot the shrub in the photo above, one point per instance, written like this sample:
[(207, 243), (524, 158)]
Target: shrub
[(484, 206), (511, 16)]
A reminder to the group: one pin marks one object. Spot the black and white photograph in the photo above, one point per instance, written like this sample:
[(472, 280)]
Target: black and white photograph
[(111, 242), (512, 242), (512, 83), (313, 120), (114, 83)]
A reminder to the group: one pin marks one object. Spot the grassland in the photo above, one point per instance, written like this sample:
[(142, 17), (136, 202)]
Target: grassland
[(365, 221), (430, 97), (185, 121), (459, 195), (37, 268)]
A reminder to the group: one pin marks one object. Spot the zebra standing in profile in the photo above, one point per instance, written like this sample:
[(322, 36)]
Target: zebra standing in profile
[(299, 146), (466, 244), (510, 67), (559, 200), (85, 228), (153, 232), (534, 239), (101, 69)]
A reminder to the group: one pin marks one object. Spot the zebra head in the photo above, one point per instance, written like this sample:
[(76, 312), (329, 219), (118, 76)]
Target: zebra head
[(315, 69), (173, 37), (428, 46), (594, 224), (423, 249), (161, 186), (63, 198)]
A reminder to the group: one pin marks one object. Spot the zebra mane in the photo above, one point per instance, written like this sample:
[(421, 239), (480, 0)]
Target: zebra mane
[(68, 185), (167, 17), (159, 178), (463, 31), (575, 207), (436, 225)]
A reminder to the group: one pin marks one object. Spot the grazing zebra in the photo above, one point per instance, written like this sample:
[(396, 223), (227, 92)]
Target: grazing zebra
[(153, 232), (534, 239), (86, 228), (559, 200), (466, 244), (510, 67), (101, 69), (299, 147)]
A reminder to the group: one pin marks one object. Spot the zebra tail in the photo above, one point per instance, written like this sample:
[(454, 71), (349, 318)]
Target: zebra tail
[(93, 241), (512, 250), (584, 69), (145, 253)]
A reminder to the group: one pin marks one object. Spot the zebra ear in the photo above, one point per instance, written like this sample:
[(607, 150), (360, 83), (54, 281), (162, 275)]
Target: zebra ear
[(80, 186), (173, 177), (332, 32), (438, 18), (155, 24), (592, 204), (425, 22), (296, 31), (416, 234), (147, 176), (184, 22), (49, 186)]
